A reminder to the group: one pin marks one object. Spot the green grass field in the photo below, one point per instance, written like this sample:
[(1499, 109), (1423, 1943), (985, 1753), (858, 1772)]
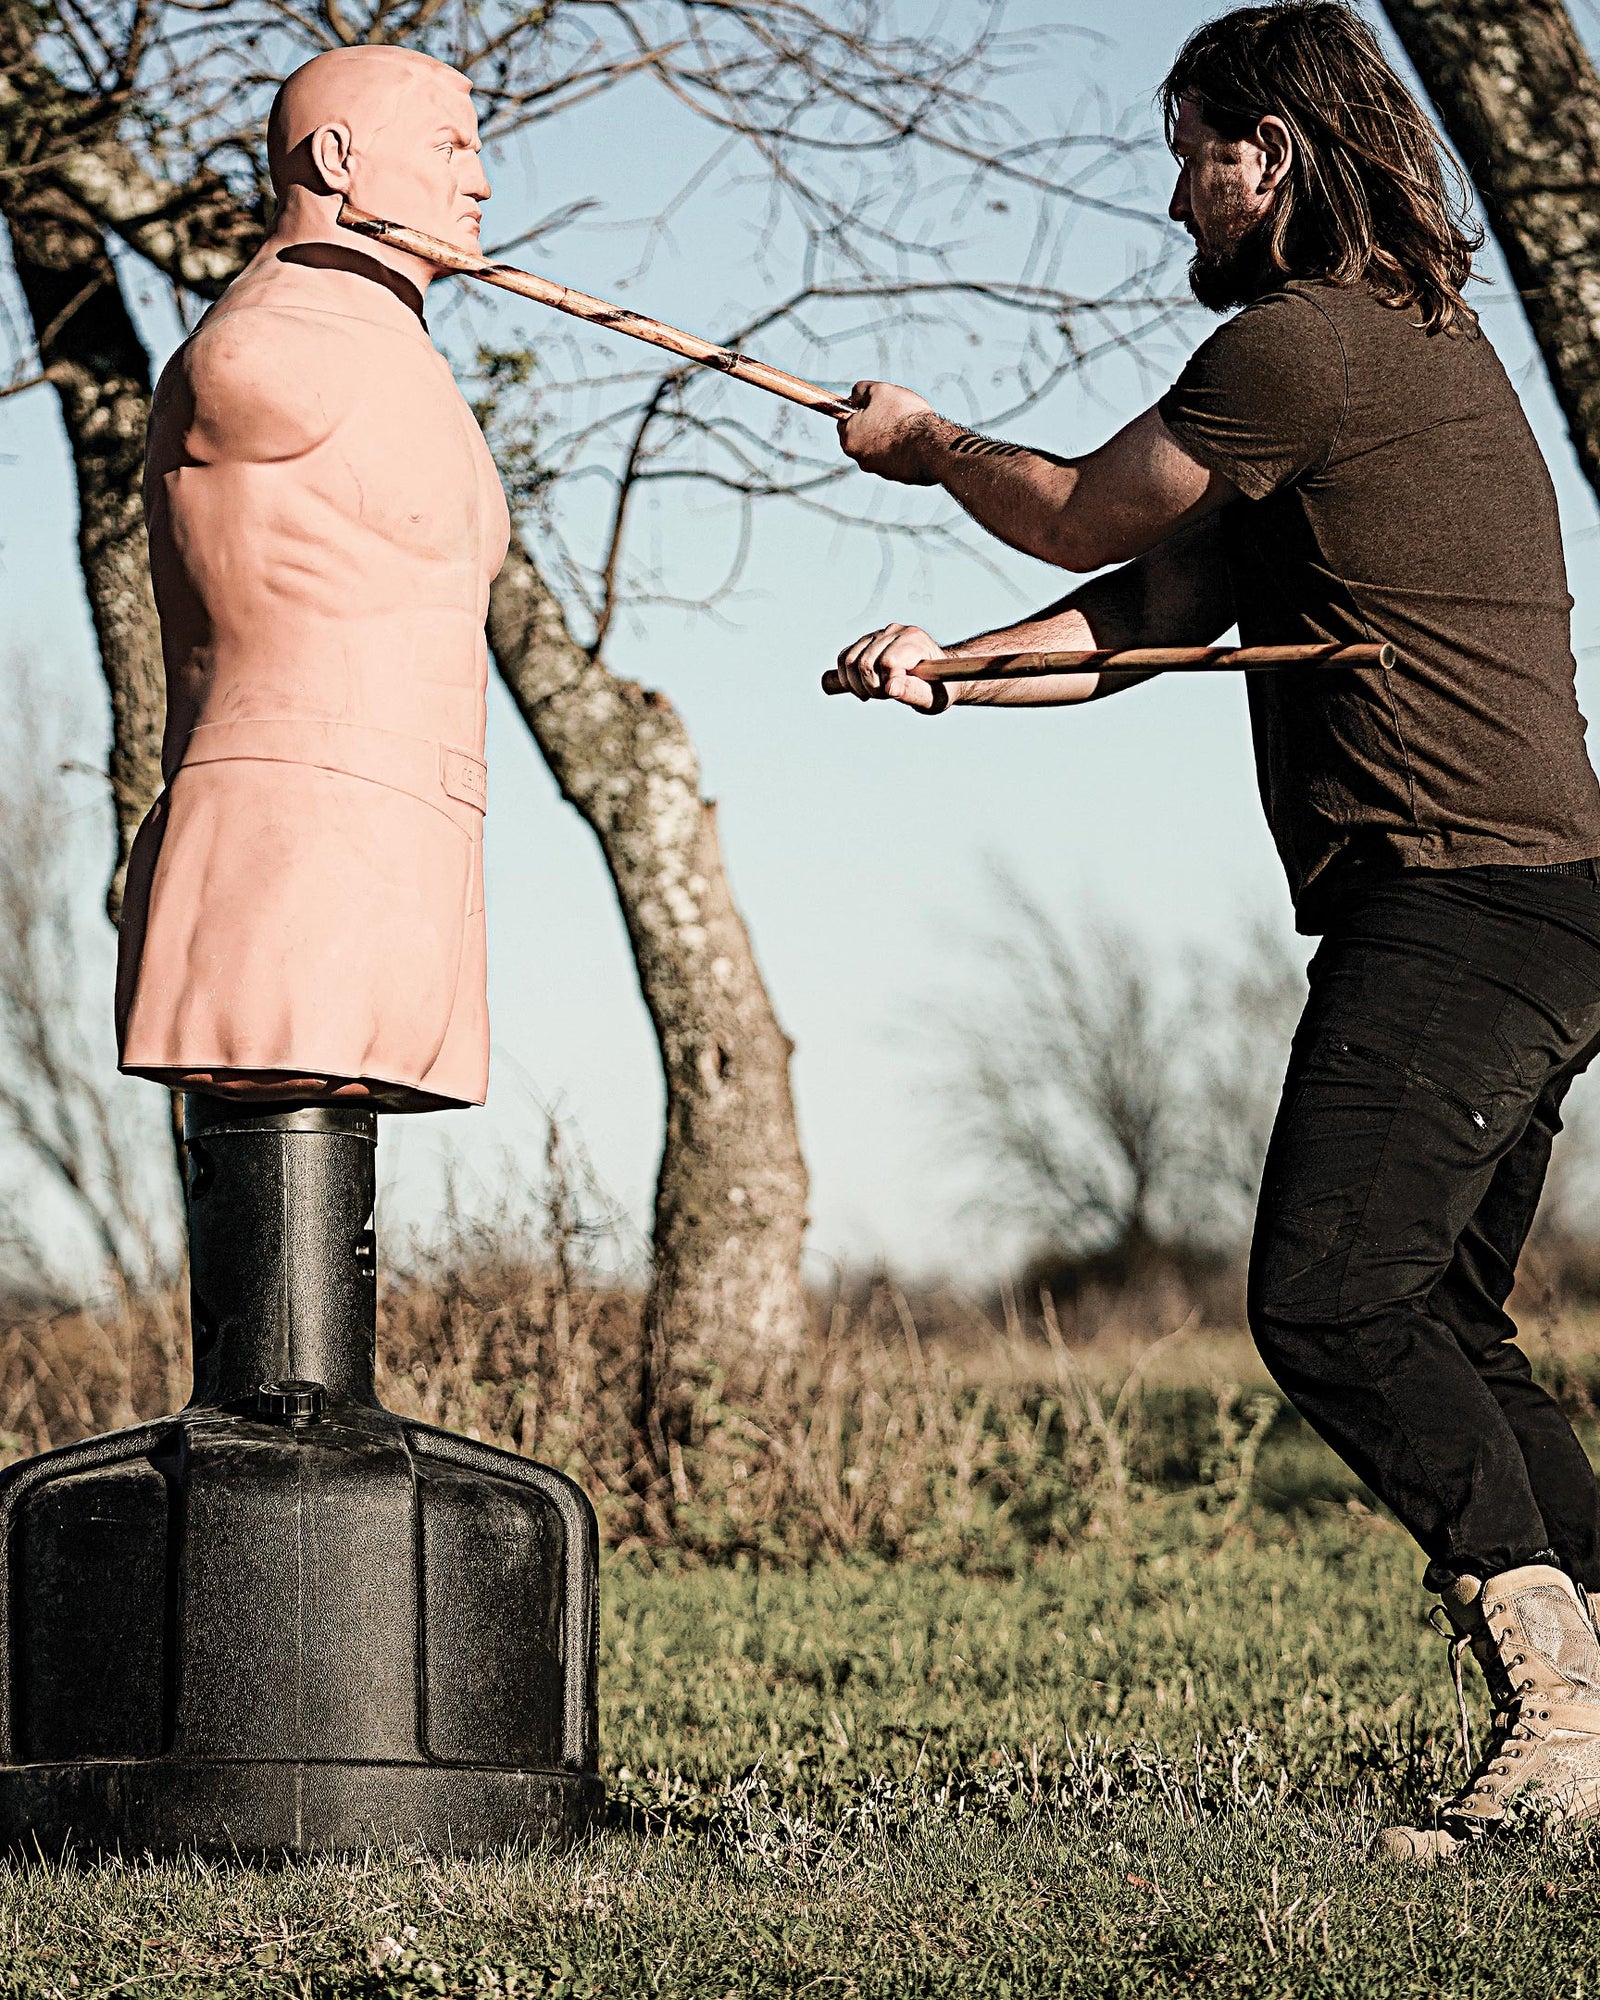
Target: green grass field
[(1142, 1770)]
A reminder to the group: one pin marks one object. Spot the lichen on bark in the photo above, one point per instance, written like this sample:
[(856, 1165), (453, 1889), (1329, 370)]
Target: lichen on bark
[(1520, 99)]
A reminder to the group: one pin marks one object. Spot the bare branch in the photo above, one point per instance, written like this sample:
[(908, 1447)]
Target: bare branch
[(33, 381), (625, 488)]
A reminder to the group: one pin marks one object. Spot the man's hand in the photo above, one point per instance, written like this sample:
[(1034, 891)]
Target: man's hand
[(883, 667), (886, 433)]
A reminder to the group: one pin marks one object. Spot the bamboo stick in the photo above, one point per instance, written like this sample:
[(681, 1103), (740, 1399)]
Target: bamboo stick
[(1137, 660), (637, 326)]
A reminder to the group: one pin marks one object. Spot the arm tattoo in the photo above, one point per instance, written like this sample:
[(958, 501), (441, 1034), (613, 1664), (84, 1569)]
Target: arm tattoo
[(973, 444)]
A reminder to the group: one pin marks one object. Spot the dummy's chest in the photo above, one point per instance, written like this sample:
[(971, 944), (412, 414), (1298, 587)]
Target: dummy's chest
[(410, 467)]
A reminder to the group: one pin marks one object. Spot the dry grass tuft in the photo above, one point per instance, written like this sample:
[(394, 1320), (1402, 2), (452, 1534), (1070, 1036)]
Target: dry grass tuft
[(67, 1374)]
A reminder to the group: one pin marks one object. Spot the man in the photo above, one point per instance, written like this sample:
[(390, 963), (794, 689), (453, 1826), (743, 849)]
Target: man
[(1346, 460)]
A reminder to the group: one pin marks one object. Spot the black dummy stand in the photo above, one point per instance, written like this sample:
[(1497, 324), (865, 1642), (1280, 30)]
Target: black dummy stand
[(286, 1621)]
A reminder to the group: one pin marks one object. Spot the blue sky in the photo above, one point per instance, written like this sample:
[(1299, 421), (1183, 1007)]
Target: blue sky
[(860, 842)]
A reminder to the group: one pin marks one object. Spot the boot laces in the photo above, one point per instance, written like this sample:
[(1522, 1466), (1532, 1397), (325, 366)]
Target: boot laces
[(1509, 1729), (1459, 1644)]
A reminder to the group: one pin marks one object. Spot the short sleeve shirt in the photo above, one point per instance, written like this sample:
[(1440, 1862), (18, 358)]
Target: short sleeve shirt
[(1392, 490)]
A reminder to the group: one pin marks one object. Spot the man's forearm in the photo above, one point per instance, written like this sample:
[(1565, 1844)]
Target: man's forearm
[(1018, 495), (1178, 594), (1059, 628), (1117, 503)]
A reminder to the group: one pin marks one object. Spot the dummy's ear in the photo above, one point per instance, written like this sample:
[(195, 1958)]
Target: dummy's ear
[(330, 155), (1277, 153)]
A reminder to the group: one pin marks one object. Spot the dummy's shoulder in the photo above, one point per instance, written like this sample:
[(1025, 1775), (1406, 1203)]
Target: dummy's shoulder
[(258, 383)]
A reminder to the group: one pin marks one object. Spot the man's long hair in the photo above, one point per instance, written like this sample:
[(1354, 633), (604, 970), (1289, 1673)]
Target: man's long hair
[(1370, 198)]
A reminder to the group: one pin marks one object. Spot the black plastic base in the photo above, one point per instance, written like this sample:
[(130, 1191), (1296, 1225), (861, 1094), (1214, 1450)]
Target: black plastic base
[(286, 1620), (276, 1811)]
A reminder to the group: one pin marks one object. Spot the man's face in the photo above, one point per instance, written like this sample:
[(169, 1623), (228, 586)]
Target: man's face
[(1225, 188), (423, 166)]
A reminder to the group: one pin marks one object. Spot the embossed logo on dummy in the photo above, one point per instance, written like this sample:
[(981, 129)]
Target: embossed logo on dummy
[(465, 778)]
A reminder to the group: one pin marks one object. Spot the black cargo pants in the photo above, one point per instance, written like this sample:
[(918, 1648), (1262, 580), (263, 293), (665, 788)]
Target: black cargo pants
[(1449, 1012)]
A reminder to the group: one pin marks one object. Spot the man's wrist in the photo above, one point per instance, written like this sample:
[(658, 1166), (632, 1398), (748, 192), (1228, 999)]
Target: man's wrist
[(929, 437)]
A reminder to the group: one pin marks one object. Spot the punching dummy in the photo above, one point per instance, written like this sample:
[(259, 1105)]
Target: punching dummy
[(304, 910), (285, 1619)]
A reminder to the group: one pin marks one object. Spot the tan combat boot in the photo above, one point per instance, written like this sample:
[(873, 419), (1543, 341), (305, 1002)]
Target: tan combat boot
[(1531, 1633)]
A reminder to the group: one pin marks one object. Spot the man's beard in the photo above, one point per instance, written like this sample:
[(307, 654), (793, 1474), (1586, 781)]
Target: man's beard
[(1235, 274)]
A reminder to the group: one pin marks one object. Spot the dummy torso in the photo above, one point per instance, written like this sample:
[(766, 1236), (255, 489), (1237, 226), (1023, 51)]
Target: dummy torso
[(304, 912)]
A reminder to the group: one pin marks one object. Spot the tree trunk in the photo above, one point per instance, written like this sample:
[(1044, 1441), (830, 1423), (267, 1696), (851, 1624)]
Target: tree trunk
[(92, 352), (731, 1192), (1520, 99)]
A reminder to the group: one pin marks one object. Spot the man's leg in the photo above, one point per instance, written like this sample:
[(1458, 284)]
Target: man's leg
[(1470, 1300), (1441, 1007)]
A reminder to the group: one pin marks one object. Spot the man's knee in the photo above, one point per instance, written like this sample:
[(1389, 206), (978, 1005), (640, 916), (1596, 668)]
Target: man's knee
[(1298, 1263), (1283, 1320)]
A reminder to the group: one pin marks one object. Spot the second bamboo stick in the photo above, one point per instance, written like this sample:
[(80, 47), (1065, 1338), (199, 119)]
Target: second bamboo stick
[(1137, 660)]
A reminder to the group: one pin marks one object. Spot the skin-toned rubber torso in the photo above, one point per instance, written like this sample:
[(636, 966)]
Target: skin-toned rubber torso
[(304, 911)]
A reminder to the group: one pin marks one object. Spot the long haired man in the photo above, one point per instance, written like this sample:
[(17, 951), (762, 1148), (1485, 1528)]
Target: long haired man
[(1345, 459)]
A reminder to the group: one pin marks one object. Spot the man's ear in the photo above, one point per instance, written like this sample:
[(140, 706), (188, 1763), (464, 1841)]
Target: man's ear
[(330, 155), (1277, 153)]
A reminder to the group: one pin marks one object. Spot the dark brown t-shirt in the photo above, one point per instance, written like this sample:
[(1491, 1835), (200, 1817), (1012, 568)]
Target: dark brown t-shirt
[(1393, 490)]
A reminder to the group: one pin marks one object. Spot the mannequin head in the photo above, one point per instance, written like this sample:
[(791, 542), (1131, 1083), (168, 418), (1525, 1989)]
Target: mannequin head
[(392, 130)]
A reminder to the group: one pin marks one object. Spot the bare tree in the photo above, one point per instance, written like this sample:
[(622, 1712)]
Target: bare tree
[(85, 343), (1068, 1085), (1118, 1108), (1520, 99), (870, 146)]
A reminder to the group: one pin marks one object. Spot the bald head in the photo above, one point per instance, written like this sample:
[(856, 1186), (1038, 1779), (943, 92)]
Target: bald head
[(369, 91), (389, 130)]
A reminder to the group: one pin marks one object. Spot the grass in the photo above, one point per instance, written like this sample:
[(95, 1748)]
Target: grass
[(981, 1658), (1149, 1768)]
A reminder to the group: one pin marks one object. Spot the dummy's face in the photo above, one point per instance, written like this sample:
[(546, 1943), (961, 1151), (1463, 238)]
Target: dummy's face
[(423, 166)]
